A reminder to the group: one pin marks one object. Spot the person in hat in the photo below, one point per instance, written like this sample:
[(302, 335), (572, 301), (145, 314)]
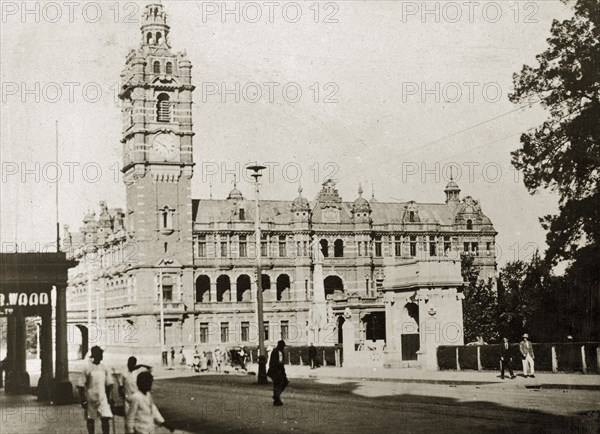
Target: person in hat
[(312, 356), (527, 356), (505, 359), (277, 373), (95, 391)]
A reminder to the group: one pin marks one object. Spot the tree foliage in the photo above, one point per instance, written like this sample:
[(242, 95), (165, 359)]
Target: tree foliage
[(480, 306), (563, 154)]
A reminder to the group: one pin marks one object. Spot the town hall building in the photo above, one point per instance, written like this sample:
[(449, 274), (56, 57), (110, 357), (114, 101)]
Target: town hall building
[(383, 266)]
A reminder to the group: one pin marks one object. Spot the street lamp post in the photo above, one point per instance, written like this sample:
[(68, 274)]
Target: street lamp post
[(262, 358)]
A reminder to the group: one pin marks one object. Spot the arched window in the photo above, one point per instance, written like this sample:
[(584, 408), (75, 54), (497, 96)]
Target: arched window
[(169, 68), (243, 288), (411, 216), (156, 67), (203, 289), (333, 285), (266, 287), (325, 248), (338, 248), (158, 38), (283, 287), (163, 108), (223, 288), (469, 224), (149, 38), (167, 288)]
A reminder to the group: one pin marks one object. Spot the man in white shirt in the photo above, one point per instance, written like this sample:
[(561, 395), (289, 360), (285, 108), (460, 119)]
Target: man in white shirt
[(128, 379), (95, 391), (142, 415)]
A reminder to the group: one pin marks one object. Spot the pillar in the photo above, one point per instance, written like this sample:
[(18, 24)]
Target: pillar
[(17, 378), (46, 377), (213, 291), (63, 389)]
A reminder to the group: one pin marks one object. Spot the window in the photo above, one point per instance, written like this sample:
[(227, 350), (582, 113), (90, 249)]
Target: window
[(245, 331), (398, 246), (475, 248), (447, 246), (378, 246), (264, 247), (413, 246), (167, 288), (203, 332), (469, 224), (159, 38), (338, 248), (149, 38), (411, 216), (285, 330), (166, 219), (243, 249), (360, 248), (163, 108), (488, 248), (266, 327), (201, 246), (366, 246), (223, 249), (203, 289), (224, 332), (282, 247), (156, 67), (169, 68), (242, 214), (299, 248), (325, 248), (432, 245), (466, 247)]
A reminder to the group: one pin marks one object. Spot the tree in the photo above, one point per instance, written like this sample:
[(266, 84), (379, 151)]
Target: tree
[(563, 155), (480, 306)]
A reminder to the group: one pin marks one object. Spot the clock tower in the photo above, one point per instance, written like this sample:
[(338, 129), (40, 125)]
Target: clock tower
[(157, 137)]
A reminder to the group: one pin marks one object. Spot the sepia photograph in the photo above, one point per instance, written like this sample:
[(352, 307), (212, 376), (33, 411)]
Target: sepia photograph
[(311, 216)]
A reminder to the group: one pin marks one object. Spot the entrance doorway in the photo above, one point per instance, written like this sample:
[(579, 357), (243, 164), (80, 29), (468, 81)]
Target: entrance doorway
[(374, 326)]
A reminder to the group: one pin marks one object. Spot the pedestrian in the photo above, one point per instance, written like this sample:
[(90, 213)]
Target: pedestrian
[(312, 356), (242, 359), (128, 380), (182, 356), (217, 359), (172, 356), (527, 355), (505, 359), (142, 414), (277, 373), (165, 358), (203, 362), (95, 392)]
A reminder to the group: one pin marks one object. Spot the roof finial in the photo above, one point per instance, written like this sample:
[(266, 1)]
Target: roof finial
[(300, 190), (360, 189), (210, 186), (372, 192), (451, 173)]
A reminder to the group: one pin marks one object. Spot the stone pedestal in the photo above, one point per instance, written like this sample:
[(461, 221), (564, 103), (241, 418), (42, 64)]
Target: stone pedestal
[(349, 344)]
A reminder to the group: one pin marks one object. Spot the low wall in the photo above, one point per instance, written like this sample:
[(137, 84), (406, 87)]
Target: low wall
[(554, 357), (326, 356)]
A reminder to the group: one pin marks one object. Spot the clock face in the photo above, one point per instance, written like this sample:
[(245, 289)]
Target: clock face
[(165, 147)]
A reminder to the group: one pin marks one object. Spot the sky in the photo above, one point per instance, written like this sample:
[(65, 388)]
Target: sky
[(394, 95)]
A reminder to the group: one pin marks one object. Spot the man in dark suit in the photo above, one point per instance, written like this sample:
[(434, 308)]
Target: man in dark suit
[(277, 373), (505, 358)]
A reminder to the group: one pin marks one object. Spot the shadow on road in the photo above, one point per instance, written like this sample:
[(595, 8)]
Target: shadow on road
[(211, 403)]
